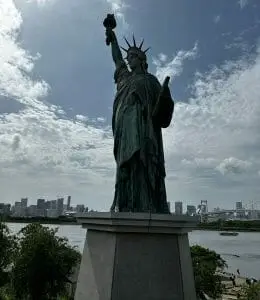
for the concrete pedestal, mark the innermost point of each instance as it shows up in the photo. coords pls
(136, 256)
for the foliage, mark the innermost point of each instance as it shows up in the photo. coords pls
(7, 251)
(43, 264)
(205, 264)
(248, 225)
(6, 293)
(43, 220)
(250, 292)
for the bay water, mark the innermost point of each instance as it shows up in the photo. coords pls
(240, 252)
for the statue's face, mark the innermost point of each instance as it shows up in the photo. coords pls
(133, 60)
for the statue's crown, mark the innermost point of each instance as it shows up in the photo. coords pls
(137, 49)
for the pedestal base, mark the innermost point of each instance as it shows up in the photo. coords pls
(136, 257)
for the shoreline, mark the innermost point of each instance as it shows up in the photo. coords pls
(232, 291)
(236, 226)
(236, 229)
(47, 221)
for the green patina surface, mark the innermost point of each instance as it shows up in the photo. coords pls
(138, 145)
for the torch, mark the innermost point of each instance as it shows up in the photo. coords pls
(110, 24)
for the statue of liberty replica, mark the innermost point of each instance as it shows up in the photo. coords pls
(142, 107)
(143, 254)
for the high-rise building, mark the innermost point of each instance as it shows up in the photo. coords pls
(48, 204)
(17, 209)
(51, 213)
(24, 202)
(32, 210)
(178, 208)
(23, 209)
(68, 202)
(204, 206)
(80, 208)
(41, 208)
(40, 203)
(191, 210)
(53, 204)
(239, 205)
(60, 206)
(5, 209)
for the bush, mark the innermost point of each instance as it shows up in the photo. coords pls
(8, 246)
(43, 265)
(250, 292)
(205, 264)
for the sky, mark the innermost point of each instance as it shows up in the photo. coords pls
(57, 91)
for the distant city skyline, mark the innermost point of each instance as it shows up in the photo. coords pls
(57, 208)
(42, 208)
(181, 206)
(211, 206)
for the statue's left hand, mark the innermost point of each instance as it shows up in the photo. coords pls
(165, 88)
(166, 92)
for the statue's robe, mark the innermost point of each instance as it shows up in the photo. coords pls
(138, 146)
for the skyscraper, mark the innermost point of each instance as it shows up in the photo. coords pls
(204, 206)
(24, 202)
(68, 202)
(23, 209)
(60, 206)
(53, 204)
(40, 203)
(191, 210)
(41, 208)
(80, 208)
(239, 205)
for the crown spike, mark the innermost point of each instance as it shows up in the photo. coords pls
(124, 49)
(127, 42)
(146, 49)
(134, 41)
(141, 45)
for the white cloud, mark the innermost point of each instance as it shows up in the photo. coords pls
(41, 2)
(216, 19)
(15, 62)
(38, 144)
(162, 57)
(119, 7)
(81, 118)
(173, 67)
(220, 121)
(101, 119)
(233, 165)
(243, 3)
(200, 162)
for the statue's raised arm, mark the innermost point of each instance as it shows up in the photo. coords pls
(110, 24)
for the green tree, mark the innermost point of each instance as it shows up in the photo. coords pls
(205, 264)
(43, 265)
(250, 292)
(7, 250)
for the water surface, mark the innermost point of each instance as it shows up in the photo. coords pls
(240, 252)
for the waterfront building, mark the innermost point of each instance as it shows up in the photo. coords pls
(60, 206)
(178, 208)
(191, 210)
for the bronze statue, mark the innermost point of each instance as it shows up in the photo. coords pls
(141, 108)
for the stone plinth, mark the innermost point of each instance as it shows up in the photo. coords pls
(136, 256)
